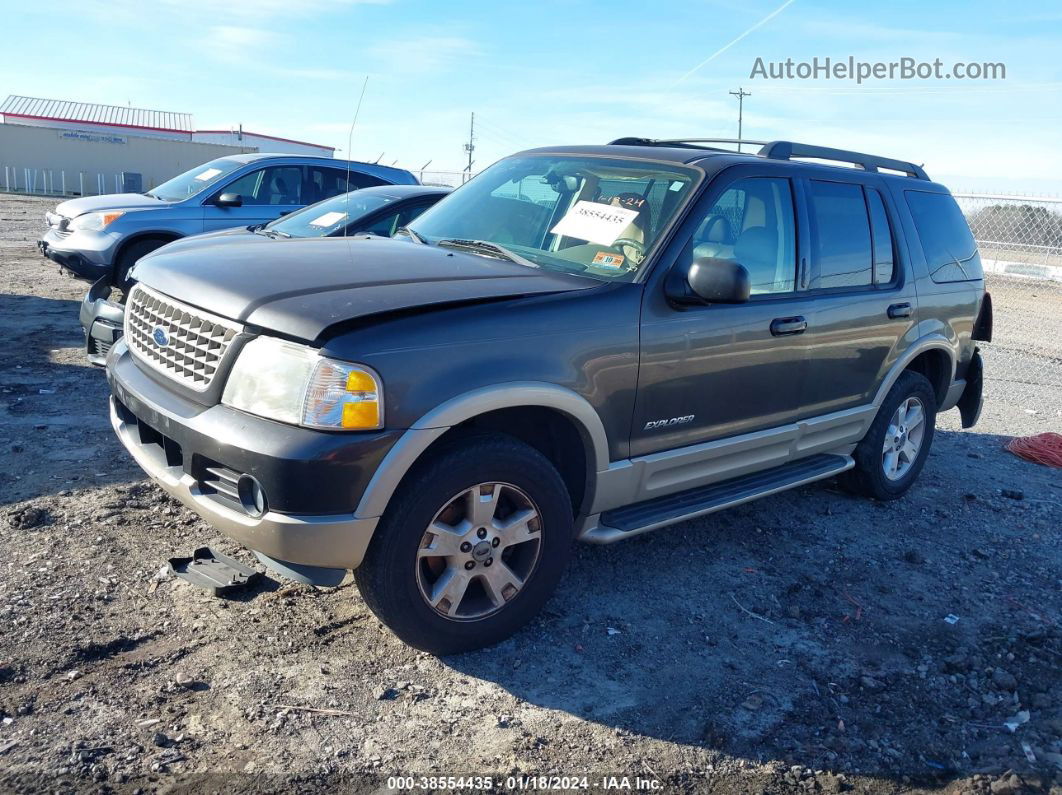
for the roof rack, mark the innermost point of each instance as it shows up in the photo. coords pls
(784, 150)
(689, 143)
(787, 150)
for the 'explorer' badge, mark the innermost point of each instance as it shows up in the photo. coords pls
(161, 337)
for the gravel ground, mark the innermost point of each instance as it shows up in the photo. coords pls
(805, 642)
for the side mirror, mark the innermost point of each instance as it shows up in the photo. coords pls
(229, 200)
(708, 280)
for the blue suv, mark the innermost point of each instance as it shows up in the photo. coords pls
(97, 236)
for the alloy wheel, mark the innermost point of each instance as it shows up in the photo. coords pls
(903, 438)
(479, 551)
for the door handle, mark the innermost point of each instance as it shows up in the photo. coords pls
(781, 326)
(899, 310)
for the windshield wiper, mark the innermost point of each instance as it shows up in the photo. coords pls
(405, 230)
(273, 233)
(488, 249)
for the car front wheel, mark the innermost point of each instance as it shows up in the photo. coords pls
(471, 547)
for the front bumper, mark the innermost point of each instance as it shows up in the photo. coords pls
(101, 320)
(312, 480)
(85, 255)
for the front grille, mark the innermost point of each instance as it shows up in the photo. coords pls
(185, 343)
(100, 347)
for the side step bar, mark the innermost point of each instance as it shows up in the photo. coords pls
(669, 509)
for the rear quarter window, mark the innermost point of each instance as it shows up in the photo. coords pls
(949, 247)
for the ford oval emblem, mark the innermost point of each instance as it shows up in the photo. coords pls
(161, 337)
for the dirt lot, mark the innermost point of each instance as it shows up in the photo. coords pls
(806, 642)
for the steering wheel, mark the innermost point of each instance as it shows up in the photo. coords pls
(637, 245)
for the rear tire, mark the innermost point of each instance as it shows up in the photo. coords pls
(892, 454)
(128, 258)
(426, 573)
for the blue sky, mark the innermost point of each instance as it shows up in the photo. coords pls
(581, 71)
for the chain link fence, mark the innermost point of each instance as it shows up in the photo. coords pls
(1020, 240)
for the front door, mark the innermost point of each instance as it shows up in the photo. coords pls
(265, 194)
(714, 371)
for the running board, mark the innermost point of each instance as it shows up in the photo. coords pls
(661, 511)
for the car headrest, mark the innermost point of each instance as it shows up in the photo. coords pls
(716, 229)
(756, 245)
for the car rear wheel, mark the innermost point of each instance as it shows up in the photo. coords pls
(471, 547)
(891, 455)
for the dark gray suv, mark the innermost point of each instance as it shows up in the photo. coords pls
(583, 342)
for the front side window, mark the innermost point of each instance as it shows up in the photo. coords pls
(196, 180)
(276, 185)
(582, 214)
(752, 223)
(841, 254)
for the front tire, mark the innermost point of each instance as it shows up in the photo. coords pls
(128, 258)
(472, 545)
(892, 454)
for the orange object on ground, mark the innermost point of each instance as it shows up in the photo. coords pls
(1044, 448)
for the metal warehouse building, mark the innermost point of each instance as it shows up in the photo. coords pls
(62, 147)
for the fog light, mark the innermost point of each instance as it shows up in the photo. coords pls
(252, 497)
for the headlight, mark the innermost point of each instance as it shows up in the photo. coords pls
(292, 383)
(94, 222)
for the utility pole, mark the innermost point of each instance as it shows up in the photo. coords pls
(740, 94)
(470, 146)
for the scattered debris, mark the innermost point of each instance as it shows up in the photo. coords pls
(1019, 719)
(951, 618)
(213, 571)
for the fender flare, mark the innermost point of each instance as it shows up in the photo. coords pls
(921, 345)
(422, 433)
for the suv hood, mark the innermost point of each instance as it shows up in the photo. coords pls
(300, 287)
(109, 201)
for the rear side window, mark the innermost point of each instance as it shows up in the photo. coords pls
(841, 250)
(328, 182)
(947, 243)
(884, 251)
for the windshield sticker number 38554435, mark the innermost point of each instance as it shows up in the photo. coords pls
(596, 223)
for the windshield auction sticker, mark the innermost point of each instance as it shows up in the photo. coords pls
(328, 219)
(595, 223)
(210, 173)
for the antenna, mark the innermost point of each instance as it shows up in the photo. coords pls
(350, 137)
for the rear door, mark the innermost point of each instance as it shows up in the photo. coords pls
(864, 304)
(713, 371)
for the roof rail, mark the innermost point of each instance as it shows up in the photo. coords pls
(691, 143)
(787, 150)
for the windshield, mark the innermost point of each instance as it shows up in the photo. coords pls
(197, 179)
(595, 215)
(330, 215)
